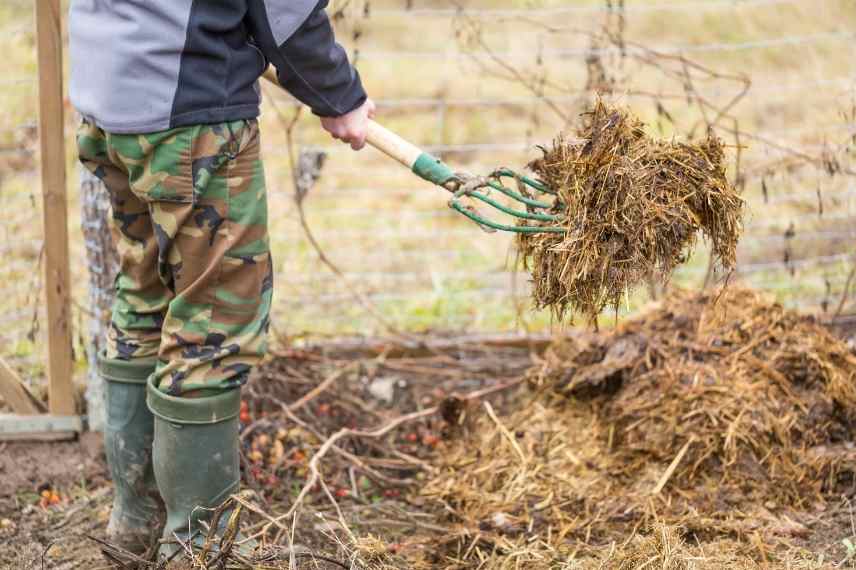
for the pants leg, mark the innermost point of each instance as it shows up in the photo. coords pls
(204, 190)
(141, 298)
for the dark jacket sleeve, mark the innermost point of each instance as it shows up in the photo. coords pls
(310, 64)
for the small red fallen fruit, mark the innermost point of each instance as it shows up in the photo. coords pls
(430, 440)
(394, 548)
(342, 493)
(245, 417)
(412, 437)
(48, 498)
(391, 493)
(323, 409)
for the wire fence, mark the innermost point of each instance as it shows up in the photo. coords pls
(21, 307)
(421, 261)
(563, 53)
(392, 238)
(729, 5)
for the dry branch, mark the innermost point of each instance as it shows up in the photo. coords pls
(314, 463)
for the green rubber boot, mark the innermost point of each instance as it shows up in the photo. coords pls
(196, 464)
(138, 511)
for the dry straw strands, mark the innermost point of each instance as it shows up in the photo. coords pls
(632, 207)
(717, 420)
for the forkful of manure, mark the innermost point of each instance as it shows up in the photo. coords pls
(602, 213)
(631, 208)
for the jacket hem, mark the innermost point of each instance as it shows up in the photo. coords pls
(215, 115)
(198, 117)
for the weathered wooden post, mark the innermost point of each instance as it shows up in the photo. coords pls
(55, 214)
(61, 422)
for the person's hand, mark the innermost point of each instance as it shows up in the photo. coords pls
(351, 128)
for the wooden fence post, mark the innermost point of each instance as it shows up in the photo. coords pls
(55, 214)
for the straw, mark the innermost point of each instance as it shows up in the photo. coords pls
(632, 207)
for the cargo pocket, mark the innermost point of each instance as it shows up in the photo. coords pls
(160, 165)
(91, 146)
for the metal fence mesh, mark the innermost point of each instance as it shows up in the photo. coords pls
(481, 87)
(20, 232)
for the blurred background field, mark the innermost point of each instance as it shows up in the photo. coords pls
(482, 84)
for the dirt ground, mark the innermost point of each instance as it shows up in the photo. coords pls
(376, 482)
(34, 536)
(56, 538)
(382, 381)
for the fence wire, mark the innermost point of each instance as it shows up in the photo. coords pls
(562, 53)
(425, 268)
(394, 239)
(729, 5)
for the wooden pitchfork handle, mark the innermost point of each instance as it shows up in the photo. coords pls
(434, 170)
(402, 151)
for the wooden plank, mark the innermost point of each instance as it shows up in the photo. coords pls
(396, 348)
(39, 428)
(14, 392)
(41, 437)
(55, 216)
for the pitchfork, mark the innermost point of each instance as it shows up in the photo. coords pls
(460, 184)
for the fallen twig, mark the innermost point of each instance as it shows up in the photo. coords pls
(330, 444)
(326, 383)
(504, 430)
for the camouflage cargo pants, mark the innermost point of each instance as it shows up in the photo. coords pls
(190, 223)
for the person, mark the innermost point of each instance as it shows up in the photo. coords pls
(169, 98)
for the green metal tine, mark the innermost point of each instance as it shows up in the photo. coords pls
(517, 196)
(494, 182)
(462, 185)
(487, 222)
(536, 185)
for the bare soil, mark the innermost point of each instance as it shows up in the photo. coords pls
(380, 381)
(33, 536)
(378, 496)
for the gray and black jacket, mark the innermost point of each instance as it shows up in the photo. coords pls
(140, 66)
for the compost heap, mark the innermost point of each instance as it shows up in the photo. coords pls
(632, 207)
(720, 416)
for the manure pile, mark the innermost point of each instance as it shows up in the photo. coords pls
(632, 206)
(713, 431)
